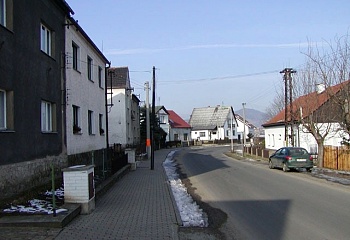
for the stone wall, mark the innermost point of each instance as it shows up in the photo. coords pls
(20, 177)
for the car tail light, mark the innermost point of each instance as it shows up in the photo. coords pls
(311, 159)
(288, 158)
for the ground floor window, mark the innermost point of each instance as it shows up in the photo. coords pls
(2, 109)
(47, 116)
(185, 136)
(91, 122)
(76, 119)
(202, 134)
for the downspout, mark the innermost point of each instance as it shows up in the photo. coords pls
(106, 103)
(63, 93)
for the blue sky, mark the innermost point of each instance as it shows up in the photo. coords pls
(208, 52)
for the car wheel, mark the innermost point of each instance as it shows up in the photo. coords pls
(285, 168)
(271, 165)
(308, 169)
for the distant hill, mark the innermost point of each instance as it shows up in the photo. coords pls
(254, 116)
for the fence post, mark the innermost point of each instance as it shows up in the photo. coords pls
(337, 152)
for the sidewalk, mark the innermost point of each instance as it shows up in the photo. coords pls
(139, 206)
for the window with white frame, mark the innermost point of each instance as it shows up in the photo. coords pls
(75, 49)
(2, 109)
(91, 125)
(45, 39)
(46, 116)
(162, 119)
(3, 12)
(100, 77)
(202, 134)
(89, 68)
(76, 119)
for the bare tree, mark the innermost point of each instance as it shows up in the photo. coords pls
(329, 67)
(277, 105)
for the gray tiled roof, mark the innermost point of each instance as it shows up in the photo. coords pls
(209, 117)
(118, 77)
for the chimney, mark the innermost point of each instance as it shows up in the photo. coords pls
(320, 88)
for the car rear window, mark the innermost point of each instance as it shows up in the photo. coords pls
(297, 152)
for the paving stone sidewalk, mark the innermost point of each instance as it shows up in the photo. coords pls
(138, 206)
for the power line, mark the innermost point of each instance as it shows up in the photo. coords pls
(217, 78)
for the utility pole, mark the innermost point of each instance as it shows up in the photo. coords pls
(244, 138)
(148, 129)
(231, 110)
(153, 119)
(288, 105)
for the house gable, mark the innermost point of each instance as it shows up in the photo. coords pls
(316, 103)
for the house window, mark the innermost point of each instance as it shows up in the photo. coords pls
(89, 68)
(176, 137)
(45, 36)
(202, 134)
(76, 119)
(100, 77)
(185, 136)
(162, 119)
(3, 12)
(2, 109)
(100, 124)
(75, 48)
(91, 122)
(47, 113)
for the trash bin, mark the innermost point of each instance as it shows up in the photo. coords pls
(79, 187)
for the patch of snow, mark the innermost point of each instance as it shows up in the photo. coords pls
(191, 214)
(38, 206)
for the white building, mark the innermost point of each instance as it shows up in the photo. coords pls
(163, 116)
(85, 92)
(316, 106)
(180, 130)
(244, 127)
(123, 108)
(213, 123)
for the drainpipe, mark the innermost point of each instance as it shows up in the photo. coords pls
(106, 103)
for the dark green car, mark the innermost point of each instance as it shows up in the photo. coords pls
(291, 158)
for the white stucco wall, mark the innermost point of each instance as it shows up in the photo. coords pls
(241, 127)
(195, 135)
(117, 130)
(122, 128)
(181, 132)
(84, 93)
(274, 137)
(164, 123)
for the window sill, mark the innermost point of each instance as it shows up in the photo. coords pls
(52, 132)
(77, 133)
(48, 55)
(7, 131)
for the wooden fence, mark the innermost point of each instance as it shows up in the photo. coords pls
(337, 158)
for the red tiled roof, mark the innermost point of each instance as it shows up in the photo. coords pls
(176, 121)
(308, 103)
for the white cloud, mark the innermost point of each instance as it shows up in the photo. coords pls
(209, 46)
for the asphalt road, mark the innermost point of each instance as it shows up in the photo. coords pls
(262, 203)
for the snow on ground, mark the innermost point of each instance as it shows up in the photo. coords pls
(38, 206)
(191, 214)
